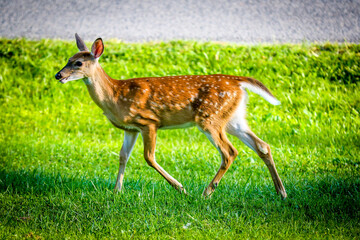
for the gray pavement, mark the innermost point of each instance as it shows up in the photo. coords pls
(250, 21)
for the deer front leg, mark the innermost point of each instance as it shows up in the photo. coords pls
(127, 147)
(149, 138)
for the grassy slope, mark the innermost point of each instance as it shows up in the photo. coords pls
(58, 153)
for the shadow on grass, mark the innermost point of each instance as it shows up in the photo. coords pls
(323, 191)
(68, 200)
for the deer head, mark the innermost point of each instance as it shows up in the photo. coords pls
(81, 65)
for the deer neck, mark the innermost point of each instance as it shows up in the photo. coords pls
(100, 86)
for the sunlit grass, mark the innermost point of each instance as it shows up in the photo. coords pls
(58, 153)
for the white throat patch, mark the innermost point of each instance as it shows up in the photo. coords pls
(87, 81)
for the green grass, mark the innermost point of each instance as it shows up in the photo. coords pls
(58, 153)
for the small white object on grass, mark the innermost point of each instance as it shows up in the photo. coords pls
(187, 226)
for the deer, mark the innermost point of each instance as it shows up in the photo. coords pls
(215, 104)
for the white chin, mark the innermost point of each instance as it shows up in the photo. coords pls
(68, 79)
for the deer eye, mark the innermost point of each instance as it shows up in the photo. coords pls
(78, 63)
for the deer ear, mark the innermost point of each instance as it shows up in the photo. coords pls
(80, 43)
(97, 48)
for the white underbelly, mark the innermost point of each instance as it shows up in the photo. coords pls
(185, 125)
(111, 117)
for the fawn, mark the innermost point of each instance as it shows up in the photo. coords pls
(215, 104)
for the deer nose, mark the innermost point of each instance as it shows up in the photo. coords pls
(58, 76)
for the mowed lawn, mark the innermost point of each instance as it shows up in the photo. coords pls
(59, 153)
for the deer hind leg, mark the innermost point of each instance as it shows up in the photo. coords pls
(127, 147)
(228, 153)
(149, 138)
(239, 128)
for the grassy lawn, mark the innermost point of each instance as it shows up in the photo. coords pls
(59, 154)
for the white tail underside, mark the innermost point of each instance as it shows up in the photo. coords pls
(261, 92)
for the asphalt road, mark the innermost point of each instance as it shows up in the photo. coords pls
(249, 21)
